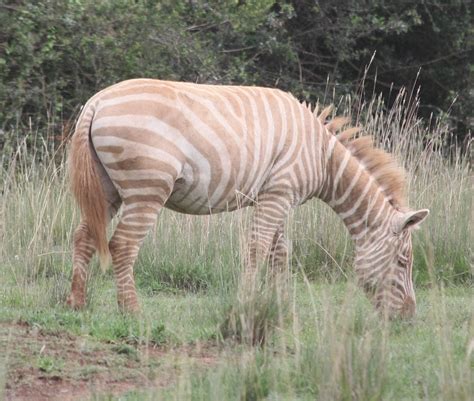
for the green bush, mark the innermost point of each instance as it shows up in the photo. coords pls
(55, 54)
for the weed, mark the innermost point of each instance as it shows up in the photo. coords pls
(49, 364)
(125, 349)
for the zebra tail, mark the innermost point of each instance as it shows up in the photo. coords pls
(86, 184)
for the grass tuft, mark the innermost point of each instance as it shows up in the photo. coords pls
(252, 319)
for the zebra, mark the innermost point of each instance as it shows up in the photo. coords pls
(144, 144)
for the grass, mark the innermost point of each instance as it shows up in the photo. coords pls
(333, 346)
(322, 340)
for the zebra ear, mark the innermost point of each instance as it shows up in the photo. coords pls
(411, 219)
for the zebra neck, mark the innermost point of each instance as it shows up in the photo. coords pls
(354, 194)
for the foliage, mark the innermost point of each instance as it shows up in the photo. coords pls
(414, 43)
(58, 53)
(54, 54)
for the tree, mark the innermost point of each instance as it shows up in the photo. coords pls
(54, 54)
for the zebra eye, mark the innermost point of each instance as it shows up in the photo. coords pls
(400, 263)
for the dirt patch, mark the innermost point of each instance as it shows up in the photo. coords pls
(44, 366)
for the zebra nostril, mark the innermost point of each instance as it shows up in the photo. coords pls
(409, 307)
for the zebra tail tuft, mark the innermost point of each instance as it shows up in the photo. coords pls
(86, 185)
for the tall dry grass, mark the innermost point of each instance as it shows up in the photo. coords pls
(320, 343)
(37, 216)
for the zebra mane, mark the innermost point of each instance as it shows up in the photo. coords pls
(380, 164)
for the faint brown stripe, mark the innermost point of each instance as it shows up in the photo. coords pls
(109, 149)
(156, 183)
(141, 87)
(139, 209)
(141, 163)
(143, 198)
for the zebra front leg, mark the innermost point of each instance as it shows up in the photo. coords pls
(266, 237)
(279, 252)
(134, 224)
(83, 251)
(278, 277)
(253, 312)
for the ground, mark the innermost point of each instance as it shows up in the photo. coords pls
(48, 366)
(331, 345)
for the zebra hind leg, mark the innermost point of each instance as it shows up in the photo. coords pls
(134, 224)
(84, 249)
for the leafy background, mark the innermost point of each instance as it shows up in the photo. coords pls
(54, 54)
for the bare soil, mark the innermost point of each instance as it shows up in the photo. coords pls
(50, 366)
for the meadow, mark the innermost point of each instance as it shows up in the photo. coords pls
(321, 340)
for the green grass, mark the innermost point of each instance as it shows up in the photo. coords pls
(322, 340)
(332, 346)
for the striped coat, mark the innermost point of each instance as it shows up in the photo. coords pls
(200, 149)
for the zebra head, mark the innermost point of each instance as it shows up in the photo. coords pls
(384, 266)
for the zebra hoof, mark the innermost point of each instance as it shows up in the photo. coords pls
(75, 302)
(129, 308)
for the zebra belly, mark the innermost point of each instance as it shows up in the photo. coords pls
(189, 199)
(205, 192)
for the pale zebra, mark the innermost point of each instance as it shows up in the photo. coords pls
(146, 144)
